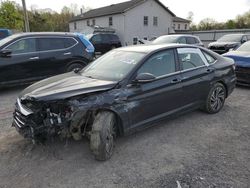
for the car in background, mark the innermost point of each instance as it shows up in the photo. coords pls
(180, 39)
(104, 42)
(125, 90)
(5, 33)
(28, 57)
(228, 42)
(241, 57)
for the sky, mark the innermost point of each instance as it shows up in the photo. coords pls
(220, 10)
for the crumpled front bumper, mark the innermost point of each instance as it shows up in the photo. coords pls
(21, 120)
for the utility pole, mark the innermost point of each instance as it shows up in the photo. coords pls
(26, 20)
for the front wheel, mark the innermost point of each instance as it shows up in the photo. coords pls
(215, 99)
(102, 135)
(74, 66)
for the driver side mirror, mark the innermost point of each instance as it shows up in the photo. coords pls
(5, 53)
(144, 78)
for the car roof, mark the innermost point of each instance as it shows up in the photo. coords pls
(181, 35)
(30, 34)
(152, 48)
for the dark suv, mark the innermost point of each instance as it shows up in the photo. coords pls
(29, 57)
(228, 42)
(104, 42)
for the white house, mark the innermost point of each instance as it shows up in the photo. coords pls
(180, 24)
(133, 19)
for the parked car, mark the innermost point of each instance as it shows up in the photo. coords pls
(29, 57)
(4, 33)
(181, 39)
(228, 42)
(104, 42)
(125, 90)
(241, 56)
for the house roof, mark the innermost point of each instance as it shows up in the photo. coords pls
(178, 19)
(115, 9)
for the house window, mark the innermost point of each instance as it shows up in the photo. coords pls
(174, 26)
(93, 22)
(88, 24)
(185, 26)
(145, 20)
(135, 40)
(75, 25)
(110, 21)
(155, 21)
(145, 38)
(179, 26)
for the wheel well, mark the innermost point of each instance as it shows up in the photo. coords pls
(223, 83)
(76, 62)
(119, 124)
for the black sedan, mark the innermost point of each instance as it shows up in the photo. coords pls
(125, 90)
(241, 56)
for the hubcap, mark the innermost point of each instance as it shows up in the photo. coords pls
(217, 98)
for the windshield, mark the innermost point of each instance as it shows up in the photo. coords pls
(244, 47)
(230, 38)
(114, 65)
(6, 40)
(165, 39)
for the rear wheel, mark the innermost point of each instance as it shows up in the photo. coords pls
(102, 135)
(215, 99)
(75, 66)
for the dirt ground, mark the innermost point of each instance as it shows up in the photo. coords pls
(194, 150)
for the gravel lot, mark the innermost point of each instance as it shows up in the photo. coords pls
(194, 150)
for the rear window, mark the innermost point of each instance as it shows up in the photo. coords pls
(190, 40)
(51, 44)
(210, 59)
(55, 43)
(69, 42)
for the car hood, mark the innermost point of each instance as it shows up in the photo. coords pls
(223, 44)
(64, 86)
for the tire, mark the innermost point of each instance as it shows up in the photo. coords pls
(75, 66)
(102, 135)
(215, 99)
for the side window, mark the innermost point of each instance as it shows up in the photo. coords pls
(196, 41)
(114, 38)
(210, 59)
(160, 64)
(46, 44)
(191, 58)
(182, 40)
(106, 38)
(190, 40)
(23, 46)
(69, 42)
(96, 39)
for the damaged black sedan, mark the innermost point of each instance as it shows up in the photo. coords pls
(125, 90)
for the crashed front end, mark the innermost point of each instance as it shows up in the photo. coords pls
(39, 120)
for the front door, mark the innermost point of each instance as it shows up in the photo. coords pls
(22, 63)
(159, 98)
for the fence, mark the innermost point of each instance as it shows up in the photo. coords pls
(212, 35)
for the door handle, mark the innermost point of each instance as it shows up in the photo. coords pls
(34, 58)
(176, 80)
(67, 53)
(209, 70)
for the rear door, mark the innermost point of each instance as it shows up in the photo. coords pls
(55, 53)
(156, 99)
(22, 64)
(196, 75)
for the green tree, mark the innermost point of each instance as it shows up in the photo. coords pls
(10, 16)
